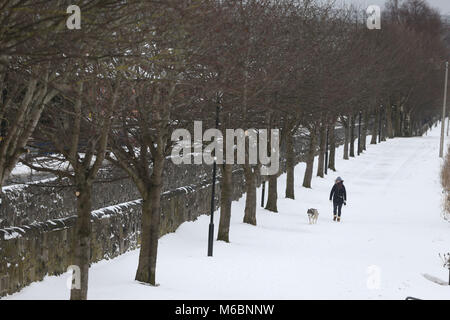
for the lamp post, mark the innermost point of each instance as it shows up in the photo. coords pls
(441, 146)
(448, 124)
(213, 195)
(263, 192)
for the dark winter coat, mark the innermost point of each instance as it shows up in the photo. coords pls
(338, 193)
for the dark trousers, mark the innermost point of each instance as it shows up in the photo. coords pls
(337, 208)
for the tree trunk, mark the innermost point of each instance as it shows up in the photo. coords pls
(383, 126)
(310, 159)
(250, 200)
(397, 123)
(4, 175)
(332, 160)
(143, 270)
(407, 125)
(272, 194)
(321, 158)
(364, 129)
(346, 126)
(373, 140)
(155, 198)
(402, 124)
(82, 240)
(352, 135)
(151, 216)
(389, 127)
(225, 203)
(290, 164)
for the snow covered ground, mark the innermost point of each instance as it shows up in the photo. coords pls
(390, 235)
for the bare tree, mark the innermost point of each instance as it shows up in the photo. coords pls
(77, 127)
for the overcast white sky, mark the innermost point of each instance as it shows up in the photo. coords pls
(442, 5)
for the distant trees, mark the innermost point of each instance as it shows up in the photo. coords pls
(412, 79)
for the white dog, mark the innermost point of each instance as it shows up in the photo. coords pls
(313, 215)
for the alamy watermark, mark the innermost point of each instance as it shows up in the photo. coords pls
(74, 20)
(187, 152)
(373, 22)
(74, 277)
(373, 17)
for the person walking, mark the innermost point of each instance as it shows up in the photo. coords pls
(338, 195)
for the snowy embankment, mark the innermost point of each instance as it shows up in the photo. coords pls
(390, 235)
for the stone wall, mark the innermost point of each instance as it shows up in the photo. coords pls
(29, 253)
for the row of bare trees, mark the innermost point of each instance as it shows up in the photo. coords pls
(115, 91)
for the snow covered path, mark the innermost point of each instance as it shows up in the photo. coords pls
(391, 233)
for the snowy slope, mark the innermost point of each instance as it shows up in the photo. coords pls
(391, 234)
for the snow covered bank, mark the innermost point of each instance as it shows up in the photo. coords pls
(391, 233)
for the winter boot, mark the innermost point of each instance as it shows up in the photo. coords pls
(335, 217)
(338, 219)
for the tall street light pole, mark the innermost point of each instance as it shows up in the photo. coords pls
(441, 147)
(213, 194)
(448, 124)
(263, 192)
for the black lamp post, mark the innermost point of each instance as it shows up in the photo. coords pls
(263, 192)
(213, 195)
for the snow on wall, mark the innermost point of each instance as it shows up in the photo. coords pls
(24, 204)
(29, 253)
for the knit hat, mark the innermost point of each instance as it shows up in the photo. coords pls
(339, 179)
